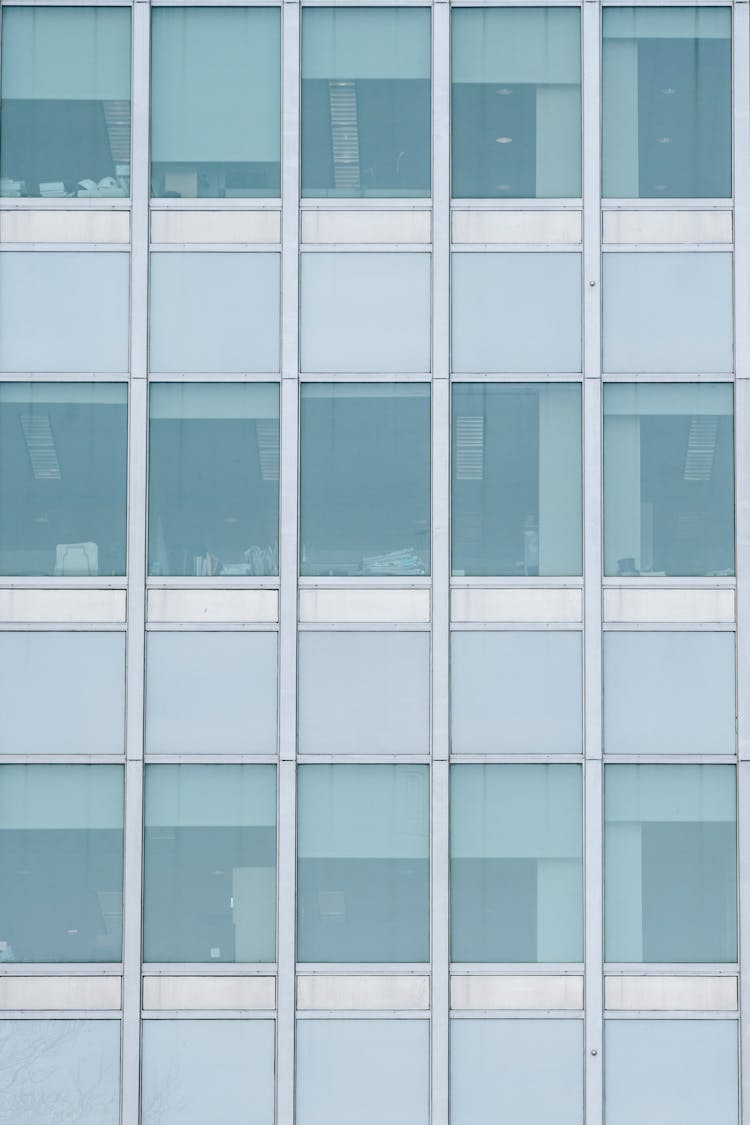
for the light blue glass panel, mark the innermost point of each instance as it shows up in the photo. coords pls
(667, 102)
(669, 693)
(516, 479)
(210, 863)
(364, 693)
(670, 885)
(64, 311)
(668, 479)
(667, 313)
(365, 479)
(366, 102)
(516, 313)
(201, 1071)
(516, 863)
(65, 102)
(215, 102)
(214, 479)
(62, 693)
(61, 843)
(363, 863)
(214, 312)
(516, 102)
(516, 692)
(368, 1071)
(60, 1072)
(528, 1071)
(674, 1072)
(211, 693)
(365, 313)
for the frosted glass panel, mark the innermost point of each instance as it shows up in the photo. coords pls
(364, 693)
(215, 102)
(516, 692)
(362, 863)
(516, 313)
(62, 693)
(56, 1072)
(516, 863)
(532, 57)
(366, 102)
(528, 1071)
(61, 863)
(667, 102)
(674, 1072)
(65, 102)
(214, 312)
(211, 693)
(516, 479)
(200, 1071)
(669, 693)
(670, 863)
(210, 863)
(667, 313)
(64, 312)
(368, 1071)
(668, 479)
(365, 313)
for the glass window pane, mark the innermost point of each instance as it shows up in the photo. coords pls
(62, 693)
(61, 863)
(63, 470)
(363, 863)
(215, 102)
(365, 479)
(214, 479)
(526, 142)
(668, 479)
(669, 693)
(516, 313)
(676, 1072)
(516, 479)
(497, 681)
(368, 1071)
(65, 102)
(214, 312)
(365, 313)
(518, 1070)
(667, 103)
(210, 863)
(211, 693)
(60, 1071)
(516, 863)
(366, 102)
(364, 693)
(670, 863)
(667, 313)
(200, 1071)
(64, 312)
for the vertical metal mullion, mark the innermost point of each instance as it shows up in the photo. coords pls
(136, 595)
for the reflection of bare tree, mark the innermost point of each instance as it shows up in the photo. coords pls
(164, 1099)
(58, 1072)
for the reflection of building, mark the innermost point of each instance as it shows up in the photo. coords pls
(331, 791)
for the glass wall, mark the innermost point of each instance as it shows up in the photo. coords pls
(63, 479)
(365, 102)
(668, 479)
(516, 105)
(667, 102)
(210, 863)
(215, 102)
(65, 102)
(365, 479)
(214, 479)
(363, 863)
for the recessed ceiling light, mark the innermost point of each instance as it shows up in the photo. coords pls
(503, 140)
